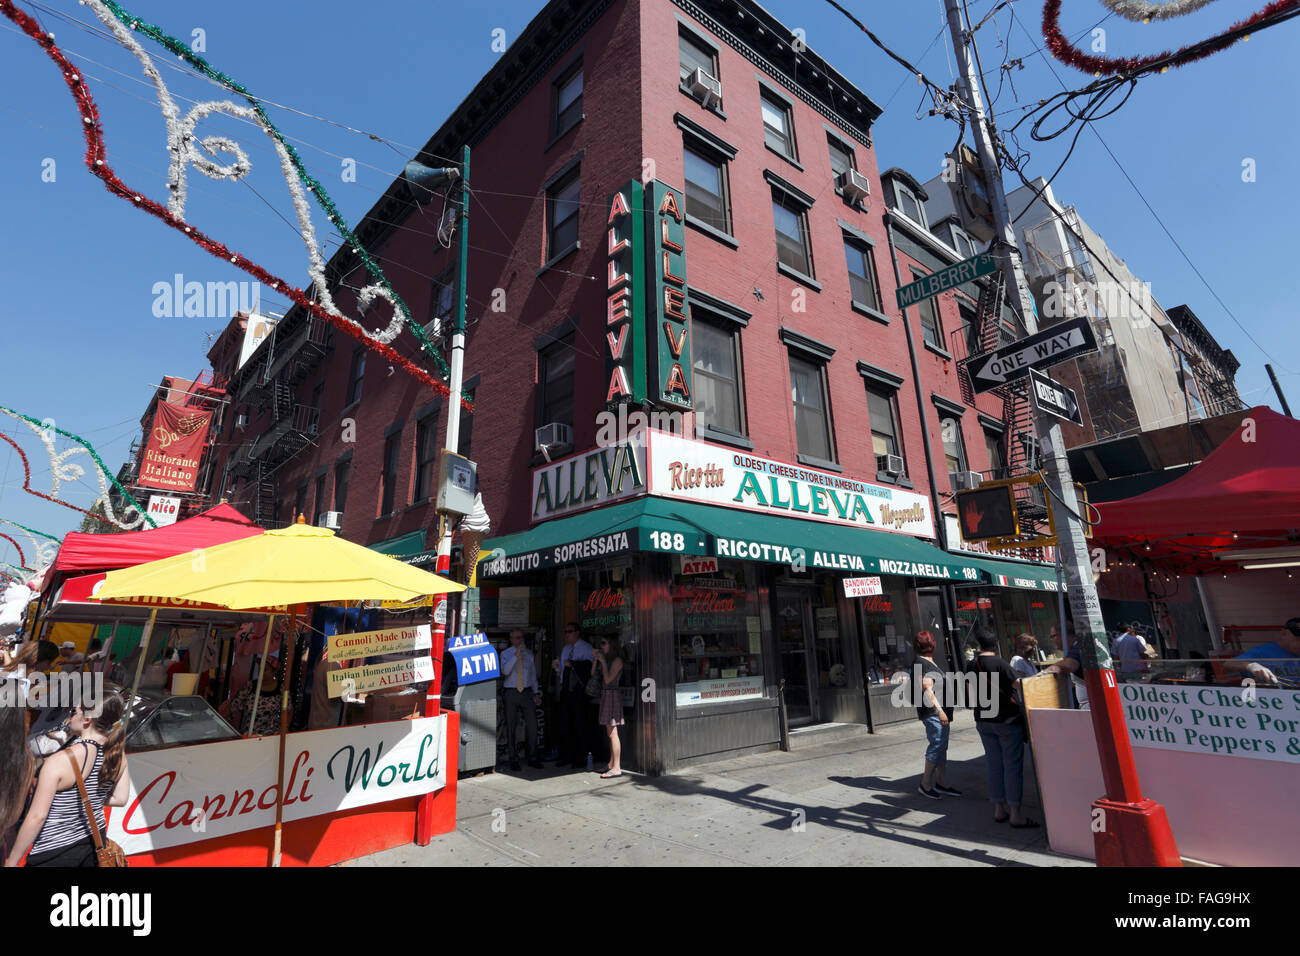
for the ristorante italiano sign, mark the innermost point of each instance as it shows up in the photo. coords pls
(709, 474)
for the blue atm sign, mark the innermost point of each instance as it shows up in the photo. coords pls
(476, 659)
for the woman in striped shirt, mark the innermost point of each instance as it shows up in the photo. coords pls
(56, 828)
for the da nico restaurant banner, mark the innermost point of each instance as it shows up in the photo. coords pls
(174, 448)
(188, 794)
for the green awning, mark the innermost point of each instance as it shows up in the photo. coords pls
(675, 527)
(403, 546)
(1014, 574)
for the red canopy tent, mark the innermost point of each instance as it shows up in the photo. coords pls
(1241, 504)
(98, 552)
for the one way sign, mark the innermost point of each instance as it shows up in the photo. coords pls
(1061, 342)
(1054, 398)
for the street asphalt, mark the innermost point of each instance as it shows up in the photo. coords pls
(850, 802)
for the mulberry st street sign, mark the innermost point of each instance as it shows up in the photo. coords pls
(1057, 343)
(944, 279)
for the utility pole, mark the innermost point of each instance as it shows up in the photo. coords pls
(1278, 388)
(433, 697)
(1134, 830)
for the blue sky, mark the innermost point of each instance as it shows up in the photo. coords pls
(82, 343)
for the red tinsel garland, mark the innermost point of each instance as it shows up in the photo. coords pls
(21, 557)
(27, 483)
(97, 164)
(1066, 52)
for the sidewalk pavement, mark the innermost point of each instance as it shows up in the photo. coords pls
(853, 802)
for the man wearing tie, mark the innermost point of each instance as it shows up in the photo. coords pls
(519, 676)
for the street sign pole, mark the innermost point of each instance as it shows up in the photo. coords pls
(1129, 830)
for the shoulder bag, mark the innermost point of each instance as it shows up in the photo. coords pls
(107, 853)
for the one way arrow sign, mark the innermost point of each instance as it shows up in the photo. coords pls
(1054, 398)
(1063, 341)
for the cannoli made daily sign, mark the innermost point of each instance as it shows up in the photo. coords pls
(393, 640)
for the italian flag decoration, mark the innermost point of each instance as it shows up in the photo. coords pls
(1002, 580)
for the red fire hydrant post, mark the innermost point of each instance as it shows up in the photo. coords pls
(1128, 829)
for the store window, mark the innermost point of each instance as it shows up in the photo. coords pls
(889, 626)
(718, 635)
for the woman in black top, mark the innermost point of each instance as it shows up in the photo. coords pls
(935, 712)
(999, 720)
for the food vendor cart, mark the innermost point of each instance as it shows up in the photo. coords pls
(307, 798)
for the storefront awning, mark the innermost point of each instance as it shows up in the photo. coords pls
(1014, 574)
(403, 546)
(675, 527)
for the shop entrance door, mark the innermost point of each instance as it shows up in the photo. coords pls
(798, 667)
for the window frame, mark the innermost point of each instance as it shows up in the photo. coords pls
(901, 190)
(702, 47)
(719, 160)
(797, 354)
(560, 124)
(702, 316)
(834, 143)
(889, 393)
(792, 205)
(388, 474)
(779, 103)
(996, 440)
(426, 458)
(959, 232)
(356, 375)
(343, 468)
(868, 253)
(544, 358)
(320, 497)
(444, 281)
(554, 191)
(932, 304)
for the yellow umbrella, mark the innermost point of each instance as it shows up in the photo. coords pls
(296, 565)
(299, 564)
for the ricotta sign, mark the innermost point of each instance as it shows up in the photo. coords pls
(709, 474)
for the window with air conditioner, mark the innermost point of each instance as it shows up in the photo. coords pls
(886, 440)
(695, 57)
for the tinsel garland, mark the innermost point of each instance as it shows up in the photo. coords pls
(44, 552)
(1067, 53)
(1141, 10)
(17, 547)
(61, 470)
(27, 483)
(97, 164)
(292, 165)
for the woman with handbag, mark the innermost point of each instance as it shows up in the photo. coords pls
(609, 668)
(64, 826)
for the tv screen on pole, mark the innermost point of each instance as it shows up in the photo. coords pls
(985, 513)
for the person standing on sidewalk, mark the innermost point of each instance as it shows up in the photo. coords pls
(519, 677)
(935, 712)
(999, 720)
(609, 665)
(574, 670)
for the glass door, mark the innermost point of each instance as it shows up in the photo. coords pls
(793, 627)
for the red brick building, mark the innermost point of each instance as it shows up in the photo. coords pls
(742, 259)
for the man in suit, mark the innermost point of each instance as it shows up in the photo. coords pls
(573, 670)
(519, 678)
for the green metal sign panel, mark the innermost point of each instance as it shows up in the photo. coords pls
(949, 278)
(625, 333)
(668, 352)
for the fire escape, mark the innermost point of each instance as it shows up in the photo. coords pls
(271, 379)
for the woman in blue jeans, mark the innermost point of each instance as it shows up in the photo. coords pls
(998, 718)
(935, 712)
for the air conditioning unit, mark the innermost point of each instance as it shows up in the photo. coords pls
(855, 186)
(964, 480)
(330, 519)
(552, 437)
(890, 464)
(706, 87)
